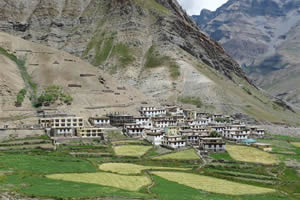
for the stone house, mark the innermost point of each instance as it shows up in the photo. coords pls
(212, 144)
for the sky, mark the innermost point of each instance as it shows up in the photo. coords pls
(193, 7)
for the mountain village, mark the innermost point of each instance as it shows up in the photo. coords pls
(171, 127)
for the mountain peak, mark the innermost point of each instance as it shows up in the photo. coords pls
(260, 35)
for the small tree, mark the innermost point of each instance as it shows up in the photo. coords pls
(21, 97)
(214, 134)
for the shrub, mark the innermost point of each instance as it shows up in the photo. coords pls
(196, 101)
(214, 134)
(153, 60)
(51, 95)
(21, 97)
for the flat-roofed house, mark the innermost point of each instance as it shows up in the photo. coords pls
(133, 130)
(62, 132)
(175, 141)
(263, 146)
(73, 122)
(190, 114)
(62, 126)
(218, 129)
(99, 121)
(200, 122)
(235, 135)
(163, 123)
(119, 119)
(60, 122)
(156, 138)
(202, 114)
(258, 133)
(152, 111)
(46, 122)
(172, 130)
(192, 137)
(174, 110)
(92, 132)
(145, 122)
(212, 144)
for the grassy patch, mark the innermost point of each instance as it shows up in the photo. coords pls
(154, 60)
(44, 164)
(102, 44)
(115, 135)
(123, 53)
(21, 96)
(43, 187)
(153, 6)
(221, 156)
(174, 70)
(296, 144)
(53, 94)
(250, 154)
(214, 185)
(130, 183)
(126, 168)
(131, 150)
(30, 84)
(196, 101)
(102, 50)
(163, 187)
(182, 155)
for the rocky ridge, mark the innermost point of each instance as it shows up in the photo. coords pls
(262, 37)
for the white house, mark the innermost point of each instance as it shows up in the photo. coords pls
(174, 142)
(133, 130)
(99, 121)
(156, 138)
(152, 112)
(201, 122)
(236, 135)
(163, 123)
(144, 122)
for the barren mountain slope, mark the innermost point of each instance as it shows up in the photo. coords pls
(149, 44)
(93, 91)
(262, 36)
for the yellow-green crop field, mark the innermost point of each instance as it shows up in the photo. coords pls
(250, 154)
(211, 184)
(131, 183)
(131, 150)
(127, 168)
(189, 154)
(296, 144)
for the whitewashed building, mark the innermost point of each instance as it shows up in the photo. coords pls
(163, 123)
(133, 130)
(235, 135)
(144, 122)
(153, 112)
(156, 138)
(99, 121)
(174, 142)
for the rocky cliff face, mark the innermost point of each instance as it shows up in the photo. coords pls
(152, 45)
(84, 27)
(262, 36)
